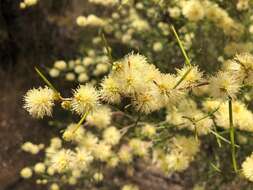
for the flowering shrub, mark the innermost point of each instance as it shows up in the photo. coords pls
(137, 111)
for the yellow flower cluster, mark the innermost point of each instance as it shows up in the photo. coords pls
(186, 115)
(181, 152)
(90, 20)
(27, 3)
(145, 89)
(107, 3)
(149, 91)
(85, 69)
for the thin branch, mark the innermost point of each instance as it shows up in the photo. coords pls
(107, 47)
(187, 60)
(232, 134)
(222, 138)
(45, 80)
(80, 122)
(182, 78)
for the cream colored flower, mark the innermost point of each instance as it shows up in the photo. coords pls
(61, 160)
(224, 84)
(193, 10)
(247, 168)
(101, 117)
(111, 135)
(39, 102)
(85, 99)
(26, 173)
(39, 168)
(61, 65)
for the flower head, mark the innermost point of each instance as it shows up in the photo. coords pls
(110, 91)
(39, 102)
(193, 10)
(61, 160)
(71, 135)
(26, 173)
(224, 84)
(85, 99)
(81, 159)
(111, 135)
(100, 118)
(247, 168)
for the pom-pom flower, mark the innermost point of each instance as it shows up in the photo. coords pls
(85, 99)
(224, 84)
(192, 77)
(146, 102)
(39, 102)
(26, 173)
(193, 10)
(101, 117)
(148, 130)
(110, 91)
(61, 160)
(167, 94)
(111, 135)
(81, 159)
(130, 187)
(125, 154)
(102, 151)
(70, 134)
(247, 168)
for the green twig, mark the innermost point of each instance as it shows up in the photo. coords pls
(187, 60)
(182, 78)
(209, 114)
(222, 138)
(80, 122)
(107, 47)
(232, 134)
(216, 168)
(45, 80)
(215, 129)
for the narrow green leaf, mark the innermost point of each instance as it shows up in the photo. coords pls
(232, 134)
(187, 60)
(45, 79)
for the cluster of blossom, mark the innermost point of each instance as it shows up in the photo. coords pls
(27, 3)
(146, 89)
(133, 19)
(130, 187)
(103, 142)
(89, 150)
(32, 148)
(237, 47)
(187, 115)
(90, 68)
(195, 10)
(150, 91)
(180, 152)
(243, 5)
(91, 20)
(243, 118)
(107, 3)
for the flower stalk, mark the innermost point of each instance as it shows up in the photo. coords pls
(232, 134)
(80, 122)
(187, 60)
(42, 76)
